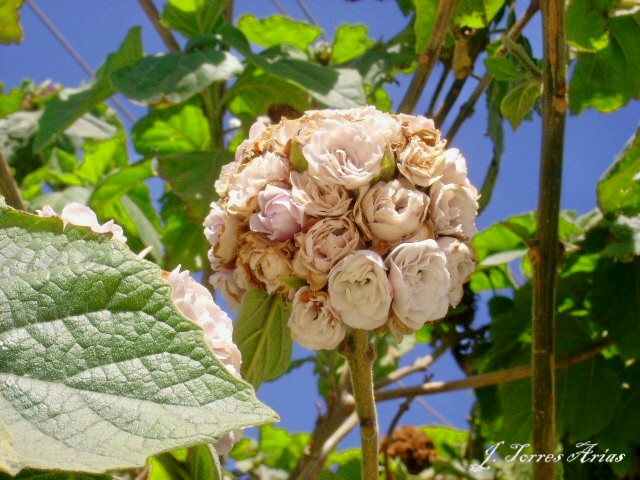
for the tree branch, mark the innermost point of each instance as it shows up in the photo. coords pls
(546, 252)
(434, 98)
(419, 365)
(154, 16)
(428, 57)
(486, 379)
(468, 107)
(449, 100)
(8, 187)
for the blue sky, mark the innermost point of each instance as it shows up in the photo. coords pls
(96, 28)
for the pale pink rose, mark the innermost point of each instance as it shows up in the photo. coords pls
(251, 178)
(224, 251)
(280, 217)
(360, 291)
(196, 303)
(214, 223)
(421, 127)
(227, 172)
(268, 261)
(232, 284)
(455, 168)
(344, 154)
(318, 199)
(461, 263)
(327, 242)
(453, 209)
(422, 164)
(81, 216)
(420, 282)
(313, 322)
(391, 211)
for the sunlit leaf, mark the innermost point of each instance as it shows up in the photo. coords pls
(277, 29)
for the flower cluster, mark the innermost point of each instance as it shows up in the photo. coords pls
(192, 299)
(360, 218)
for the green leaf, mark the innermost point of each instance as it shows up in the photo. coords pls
(425, 18)
(586, 23)
(28, 474)
(10, 29)
(276, 29)
(69, 105)
(101, 158)
(349, 41)
(202, 465)
(609, 78)
(255, 92)
(334, 87)
(174, 77)
(619, 188)
(281, 449)
(495, 131)
(619, 317)
(519, 102)
(98, 368)
(164, 467)
(262, 335)
(177, 129)
(183, 238)
(191, 176)
(121, 181)
(59, 200)
(192, 17)
(470, 14)
(505, 69)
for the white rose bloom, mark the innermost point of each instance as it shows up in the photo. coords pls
(232, 284)
(461, 262)
(391, 211)
(318, 199)
(455, 168)
(81, 216)
(420, 282)
(253, 177)
(421, 127)
(227, 172)
(453, 209)
(226, 248)
(326, 243)
(313, 322)
(344, 154)
(421, 163)
(360, 291)
(269, 262)
(214, 223)
(196, 303)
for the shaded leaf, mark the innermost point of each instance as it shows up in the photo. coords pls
(262, 335)
(183, 239)
(174, 77)
(95, 341)
(276, 29)
(191, 176)
(425, 18)
(504, 69)
(586, 24)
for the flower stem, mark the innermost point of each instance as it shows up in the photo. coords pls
(360, 354)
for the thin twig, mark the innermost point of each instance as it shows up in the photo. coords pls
(428, 57)
(434, 98)
(486, 379)
(310, 17)
(489, 183)
(165, 34)
(468, 107)
(342, 431)
(435, 413)
(8, 187)
(419, 365)
(280, 8)
(546, 251)
(449, 100)
(402, 409)
(75, 55)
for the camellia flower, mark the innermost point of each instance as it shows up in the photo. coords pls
(361, 218)
(360, 291)
(314, 323)
(81, 216)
